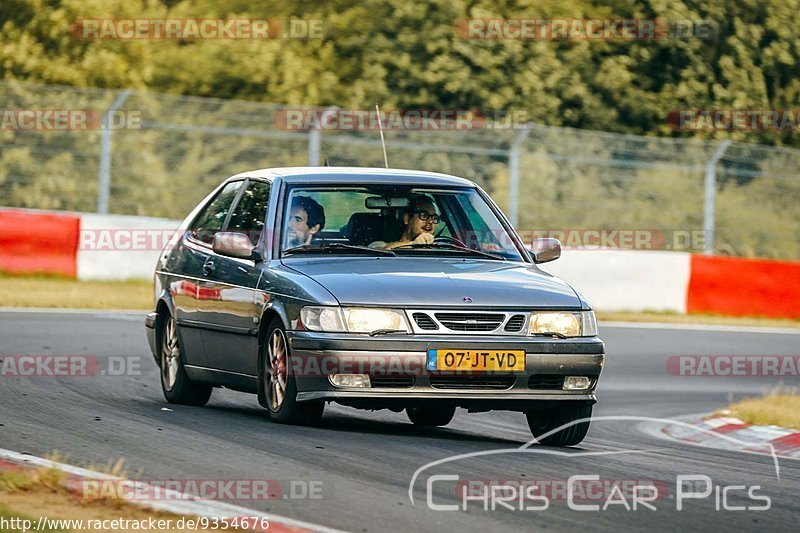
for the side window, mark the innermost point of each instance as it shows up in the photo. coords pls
(250, 212)
(211, 219)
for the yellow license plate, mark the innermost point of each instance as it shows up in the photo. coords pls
(476, 360)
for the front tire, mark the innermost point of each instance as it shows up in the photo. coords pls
(175, 384)
(278, 386)
(543, 421)
(430, 416)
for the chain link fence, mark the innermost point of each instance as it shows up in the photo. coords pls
(166, 152)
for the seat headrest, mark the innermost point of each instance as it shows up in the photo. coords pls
(365, 228)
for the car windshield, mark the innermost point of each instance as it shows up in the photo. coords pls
(406, 221)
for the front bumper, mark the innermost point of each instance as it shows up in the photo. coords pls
(150, 328)
(397, 368)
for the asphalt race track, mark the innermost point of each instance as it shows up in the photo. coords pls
(365, 460)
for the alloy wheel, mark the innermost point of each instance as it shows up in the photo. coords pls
(170, 355)
(276, 369)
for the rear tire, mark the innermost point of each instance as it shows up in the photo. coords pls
(543, 421)
(278, 386)
(430, 416)
(175, 384)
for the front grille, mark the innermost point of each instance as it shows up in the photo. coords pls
(515, 323)
(472, 381)
(470, 321)
(391, 382)
(546, 382)
(424, 321)
(459, 321)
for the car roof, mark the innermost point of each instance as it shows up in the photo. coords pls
(356, 175)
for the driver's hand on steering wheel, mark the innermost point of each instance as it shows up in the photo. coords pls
(423, 238)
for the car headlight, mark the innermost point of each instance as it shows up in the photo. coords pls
(352, 319)
(322, 319)
(365, 320)
(579, 324)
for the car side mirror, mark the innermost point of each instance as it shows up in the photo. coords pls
(234, 244)
(545, 250)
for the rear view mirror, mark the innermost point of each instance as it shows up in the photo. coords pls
(379, 202)
(545, 250)
(234, 244)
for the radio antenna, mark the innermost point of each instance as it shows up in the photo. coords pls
(383, 141)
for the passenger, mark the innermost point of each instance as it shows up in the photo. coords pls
(419, 219)
(306, 219)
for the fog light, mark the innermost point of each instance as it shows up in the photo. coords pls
(350, 380)
(577, 383)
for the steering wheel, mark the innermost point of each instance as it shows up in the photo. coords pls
(449, 240)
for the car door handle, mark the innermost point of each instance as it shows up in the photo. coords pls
(208, 268)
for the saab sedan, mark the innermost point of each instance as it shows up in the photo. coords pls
(375, 289)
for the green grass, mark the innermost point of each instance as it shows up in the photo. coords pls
(58, 292)
(29, 493)
(781, 407)
(15, 481)
(7, 514)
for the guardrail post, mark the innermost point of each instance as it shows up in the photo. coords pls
(315, 138)
(711, 191)
(104, 176)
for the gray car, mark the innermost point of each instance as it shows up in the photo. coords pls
(376, 289)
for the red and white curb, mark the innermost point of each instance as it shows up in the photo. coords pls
(174, 502)
(730, 433)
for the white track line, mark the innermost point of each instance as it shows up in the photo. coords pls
(700, 327)
(174, 503)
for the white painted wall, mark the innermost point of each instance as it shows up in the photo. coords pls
(626, 280)
(118, 247)
(613, 280)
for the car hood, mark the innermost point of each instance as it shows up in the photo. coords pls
(446, 282)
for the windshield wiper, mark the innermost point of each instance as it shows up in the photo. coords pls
(451, 246)
(307, 248)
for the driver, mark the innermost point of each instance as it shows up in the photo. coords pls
(306, 219)
(419, 220)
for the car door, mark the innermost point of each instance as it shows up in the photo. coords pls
(196, 252)
(228, 306)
